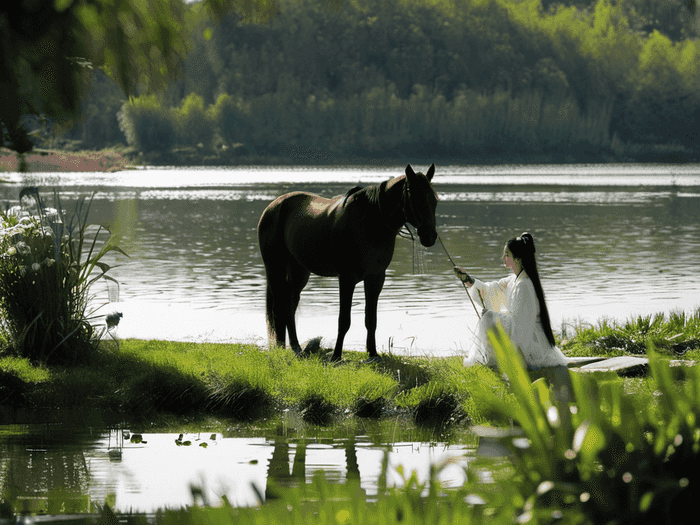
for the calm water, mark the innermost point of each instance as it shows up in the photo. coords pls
(613, 241)
(60, 469)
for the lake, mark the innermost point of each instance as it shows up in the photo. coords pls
(60, 468)
(613, 241)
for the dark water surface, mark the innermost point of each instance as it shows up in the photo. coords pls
(613, 241)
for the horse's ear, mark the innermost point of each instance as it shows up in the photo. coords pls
(409, 172)
(431, 172)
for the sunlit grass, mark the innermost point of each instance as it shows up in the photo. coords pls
(246, 382)
(148, 379)
(676, 334)
(24, 370)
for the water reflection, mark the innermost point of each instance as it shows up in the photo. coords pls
(54, 470)
(613, 242)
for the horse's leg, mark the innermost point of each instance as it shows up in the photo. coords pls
(373, 287)
(347, 289)
(297, 277)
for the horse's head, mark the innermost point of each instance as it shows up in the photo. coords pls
(420, 203)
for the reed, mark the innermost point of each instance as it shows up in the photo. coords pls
(48, 263)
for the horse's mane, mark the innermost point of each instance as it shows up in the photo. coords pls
(371, 193)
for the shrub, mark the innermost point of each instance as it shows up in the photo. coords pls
(194, 125)
(147, 125)
(231, 117)
(46, 269)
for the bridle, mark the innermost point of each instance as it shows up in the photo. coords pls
(405, 206)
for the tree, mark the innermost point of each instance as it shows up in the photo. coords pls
(48, 46)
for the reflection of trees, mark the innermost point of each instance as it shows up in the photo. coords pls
(42, 478)
(279, 476)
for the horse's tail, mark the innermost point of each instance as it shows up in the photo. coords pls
(275, 258)
(276, 335)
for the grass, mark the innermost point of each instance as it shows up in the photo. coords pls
(148, 379)
(675, 335)
(629, 447)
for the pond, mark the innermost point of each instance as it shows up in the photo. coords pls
(62, 468)
(613, 241)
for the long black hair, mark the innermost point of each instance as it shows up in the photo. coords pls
(523, 248)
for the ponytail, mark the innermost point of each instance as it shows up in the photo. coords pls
(523, 248)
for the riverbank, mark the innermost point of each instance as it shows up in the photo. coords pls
(117, 159)
(147, 381)
(42, 160)
(627, 437)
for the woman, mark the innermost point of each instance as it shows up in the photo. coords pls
(517, 304)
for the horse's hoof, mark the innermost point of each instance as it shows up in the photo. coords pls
(373, 359)
(335, 359)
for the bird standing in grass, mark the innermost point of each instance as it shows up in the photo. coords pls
(112, 320)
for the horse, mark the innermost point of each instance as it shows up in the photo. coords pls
(350, 236)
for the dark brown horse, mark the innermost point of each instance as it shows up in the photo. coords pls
(350, 237)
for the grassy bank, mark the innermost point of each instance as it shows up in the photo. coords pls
(118, 159)
(623, 447)
(44, 160)
(149, 380)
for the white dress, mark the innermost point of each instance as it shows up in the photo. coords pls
(513, 303)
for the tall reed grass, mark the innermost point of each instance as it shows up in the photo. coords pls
(48, 263)
(603, 456)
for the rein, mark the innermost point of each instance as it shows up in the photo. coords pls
(406, 198)
(409, 235)
(463, 283)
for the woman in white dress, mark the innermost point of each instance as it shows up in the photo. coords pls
(517, 304)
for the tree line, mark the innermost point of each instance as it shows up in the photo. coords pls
(421, 77)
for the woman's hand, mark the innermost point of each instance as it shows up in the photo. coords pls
(463, 276)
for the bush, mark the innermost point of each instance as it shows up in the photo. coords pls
(193, 124)
(231, 118)
(147, 125)
(46, 269)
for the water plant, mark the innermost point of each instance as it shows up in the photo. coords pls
(48, 263)
(605, 456)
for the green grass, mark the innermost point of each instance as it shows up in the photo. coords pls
(675, 335)
(149, 379)
(624, 447)
(145, 380)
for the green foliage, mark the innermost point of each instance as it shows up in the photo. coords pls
(601, 455)
(47, 267)
(315, 72)
(147, 125)
(322, 503)
(231, 117)
(674, 335)
(48, 47)
(193, 123)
